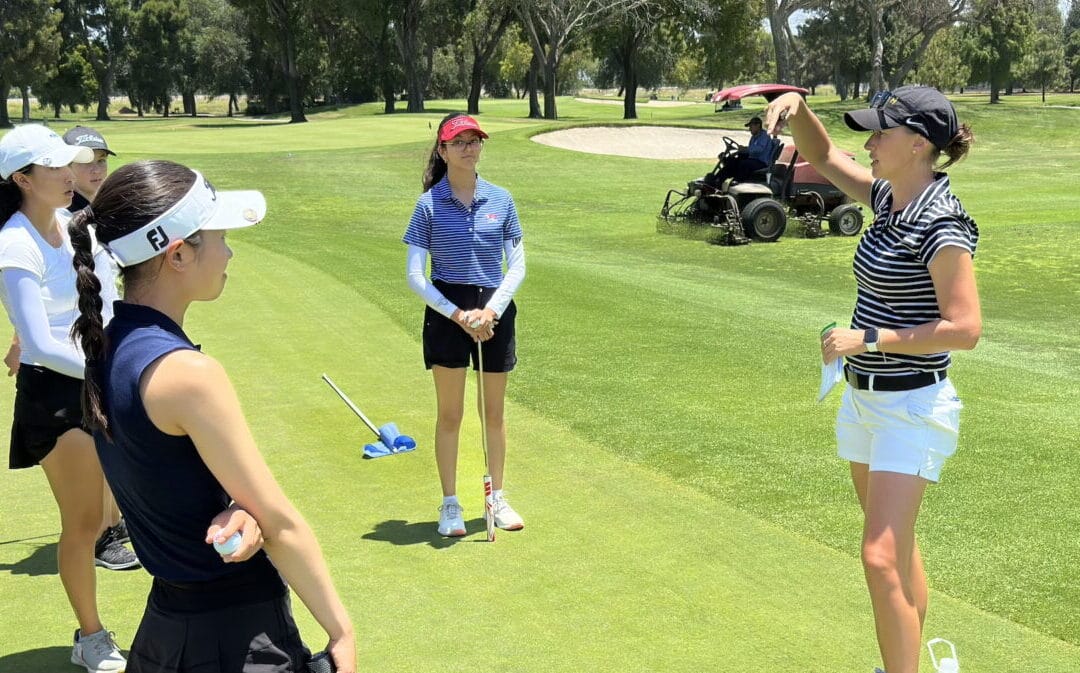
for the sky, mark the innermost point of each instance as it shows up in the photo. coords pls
(799, 17)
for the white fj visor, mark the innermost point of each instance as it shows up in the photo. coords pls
(203, 207)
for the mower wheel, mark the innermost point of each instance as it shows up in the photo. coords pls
(764, 219)
(846, 220)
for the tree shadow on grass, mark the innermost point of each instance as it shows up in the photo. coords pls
(240, 124)
(41, 561)
(401, 532)
(41, 660)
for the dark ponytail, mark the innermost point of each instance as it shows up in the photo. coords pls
(128, 199)
(89, 327)
(436, 167)
(10, 197)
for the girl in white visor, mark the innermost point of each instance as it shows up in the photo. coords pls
(173, 441)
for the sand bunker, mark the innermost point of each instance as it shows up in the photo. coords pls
(650, 103)
(646, 142)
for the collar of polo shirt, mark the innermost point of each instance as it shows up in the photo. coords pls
(203, 207)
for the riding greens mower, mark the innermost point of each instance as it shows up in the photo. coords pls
(759, 205)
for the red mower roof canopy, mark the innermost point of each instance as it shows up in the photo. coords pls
(769, 91)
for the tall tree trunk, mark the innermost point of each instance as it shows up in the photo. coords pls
(5, 121)
(628, 56)
(476, 82)
(232, 102)
(25, 104)
(190, 105)
(406, 32)
(551, 66)
(877, 18)
(533, 85)
(481, 55)
(292, 76)
(388, 94)
(56, 109)
(780, 44)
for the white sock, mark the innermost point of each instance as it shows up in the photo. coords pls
(497, 494)
(449, 500)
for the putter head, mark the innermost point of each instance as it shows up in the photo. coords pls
(489, 508)
(392, 437)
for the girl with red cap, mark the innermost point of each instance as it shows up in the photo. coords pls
(468, 226)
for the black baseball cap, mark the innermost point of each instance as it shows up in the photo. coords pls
(753, 120)
(923, 109)
(84, 136)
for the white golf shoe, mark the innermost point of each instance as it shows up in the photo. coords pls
(451, 523)
(505, 516)
(97, 653)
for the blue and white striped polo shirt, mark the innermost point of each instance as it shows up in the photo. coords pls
(465, 242)
(891, 268)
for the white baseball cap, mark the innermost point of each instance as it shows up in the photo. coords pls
(203, 207)
(36, 144)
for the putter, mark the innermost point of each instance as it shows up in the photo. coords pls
(388, 434)
(489, 496)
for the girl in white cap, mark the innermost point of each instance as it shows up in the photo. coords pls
(900, 415)
(38, 291)
(468, 226)
(39, 294)
(173, 441)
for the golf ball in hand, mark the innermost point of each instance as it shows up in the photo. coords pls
(228, 546)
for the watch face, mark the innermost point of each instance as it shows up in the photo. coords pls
(870, 336)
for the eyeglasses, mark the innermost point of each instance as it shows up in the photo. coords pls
(880, 99)
(474, 144)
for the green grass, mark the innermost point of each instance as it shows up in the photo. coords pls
(686, 511)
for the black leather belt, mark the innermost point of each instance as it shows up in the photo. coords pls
(892, 383)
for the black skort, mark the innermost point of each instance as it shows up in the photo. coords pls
(47, 404)
(447, 345)
(217, 628)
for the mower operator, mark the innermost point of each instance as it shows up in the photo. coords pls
(755, 156)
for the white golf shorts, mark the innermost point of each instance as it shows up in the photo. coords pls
(907, 431)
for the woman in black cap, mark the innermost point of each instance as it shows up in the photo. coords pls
(916, 302)
(88, 176)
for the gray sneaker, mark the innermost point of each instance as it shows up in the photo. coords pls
(97, 653)
(110, 552)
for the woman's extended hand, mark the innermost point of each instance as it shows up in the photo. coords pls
(780, 111)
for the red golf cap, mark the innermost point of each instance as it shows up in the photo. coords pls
(459, 125)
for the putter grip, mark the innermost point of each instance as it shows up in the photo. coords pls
(321, 663)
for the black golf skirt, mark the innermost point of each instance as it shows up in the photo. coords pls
(47, 404)
(447, 345)
(239, 625)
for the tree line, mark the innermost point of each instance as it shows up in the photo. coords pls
(290, 55)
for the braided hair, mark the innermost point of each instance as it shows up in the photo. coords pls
(128, 199)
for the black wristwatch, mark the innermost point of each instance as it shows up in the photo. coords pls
(869, 339)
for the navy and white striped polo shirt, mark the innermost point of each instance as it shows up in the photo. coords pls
(465, 242)
(891, 268)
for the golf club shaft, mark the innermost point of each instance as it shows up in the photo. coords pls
(356, 410)
(483, 407)
(489, 495)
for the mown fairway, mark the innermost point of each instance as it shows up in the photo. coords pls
(685, 508)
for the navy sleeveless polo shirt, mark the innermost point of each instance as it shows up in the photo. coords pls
(165, 491)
